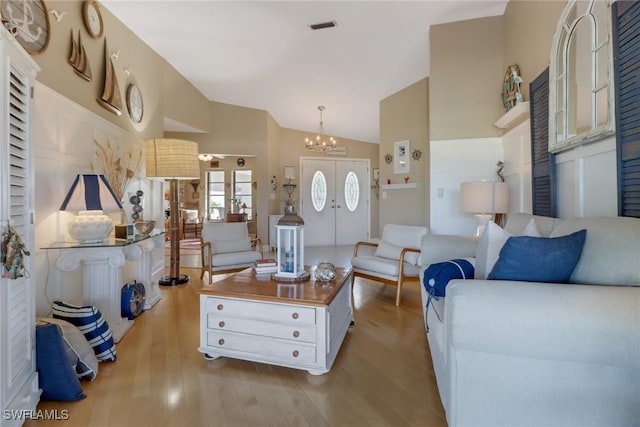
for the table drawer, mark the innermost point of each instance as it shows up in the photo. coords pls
(265, 348)
(301, 332)
(261, 311)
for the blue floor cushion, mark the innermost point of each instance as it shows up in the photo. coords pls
(92, 324)
(56, 376)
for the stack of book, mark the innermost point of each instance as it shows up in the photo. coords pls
(264, 267)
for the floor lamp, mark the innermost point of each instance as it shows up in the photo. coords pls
(173, 159)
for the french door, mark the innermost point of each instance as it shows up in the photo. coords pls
(334, 201)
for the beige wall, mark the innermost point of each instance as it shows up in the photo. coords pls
(148, 70)
(528, 33)
(405, 115)
(466, 78)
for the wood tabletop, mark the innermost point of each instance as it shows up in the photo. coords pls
(246, 285)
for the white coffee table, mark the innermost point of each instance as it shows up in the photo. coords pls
(297, 325)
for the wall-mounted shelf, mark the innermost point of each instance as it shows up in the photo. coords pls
(399, 186)
(513, 116)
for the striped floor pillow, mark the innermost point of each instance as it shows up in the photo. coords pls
(92, 324)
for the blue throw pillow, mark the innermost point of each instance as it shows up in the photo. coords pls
(92, 324)
(56, 377)
(437, 276)
(539, 259)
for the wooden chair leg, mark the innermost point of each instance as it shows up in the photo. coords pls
(398, 291)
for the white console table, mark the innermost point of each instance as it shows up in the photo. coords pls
(102, 265)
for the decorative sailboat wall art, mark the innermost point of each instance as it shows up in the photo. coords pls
(110, 98)
(78, 58)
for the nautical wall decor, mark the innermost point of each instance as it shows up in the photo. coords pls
(78, 58)
(110, 99)
(30, 20)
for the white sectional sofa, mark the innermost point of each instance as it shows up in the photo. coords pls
(511, 353)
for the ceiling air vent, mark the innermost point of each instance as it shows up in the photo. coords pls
(323, 25)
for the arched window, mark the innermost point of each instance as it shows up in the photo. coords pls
(351, 191)
(581, 75)
(318, 191)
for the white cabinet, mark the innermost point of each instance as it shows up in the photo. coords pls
(18, 378)
(302, 336)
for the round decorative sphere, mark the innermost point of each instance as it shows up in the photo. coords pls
(325, 271)
(135, 216)
(139, 193)
(137, 208)
(134, 200)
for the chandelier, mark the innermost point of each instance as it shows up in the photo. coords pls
(321, 142)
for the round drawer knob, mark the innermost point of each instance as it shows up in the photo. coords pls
(220, 306)
(295, 353)
(296, 334)
(295, 315)
(221, 324)
(221, 341)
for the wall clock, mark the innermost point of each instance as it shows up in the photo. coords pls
(92, 18)
(28, 20)
(132, 300)
(240, 162)
(134, 103)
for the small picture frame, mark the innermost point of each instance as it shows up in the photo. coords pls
(401, 157)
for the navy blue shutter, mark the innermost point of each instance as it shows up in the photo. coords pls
(626, 63)
(542, 162)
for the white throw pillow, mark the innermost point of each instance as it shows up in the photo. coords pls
(391, 251)
(490, 244)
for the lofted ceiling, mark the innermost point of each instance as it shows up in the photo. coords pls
(262, 54)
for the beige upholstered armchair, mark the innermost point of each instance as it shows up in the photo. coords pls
(226, 247)
(392, 260)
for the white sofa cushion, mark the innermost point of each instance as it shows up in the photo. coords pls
(384, 266)
(236, 259)
(611, 251)
(391, 251)
(227, 246)
(491, 242)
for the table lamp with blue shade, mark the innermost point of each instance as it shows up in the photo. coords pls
(90, 195)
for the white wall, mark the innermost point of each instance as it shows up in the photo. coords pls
(586, 176)
(453, 162)
(517, 167)
(63, 136)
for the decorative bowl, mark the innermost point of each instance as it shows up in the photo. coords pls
(144, 227)
(325, 271)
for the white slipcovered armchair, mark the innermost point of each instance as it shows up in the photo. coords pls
(396, 256)
(226, 247)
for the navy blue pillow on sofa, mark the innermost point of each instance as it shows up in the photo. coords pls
(56, 376)
(437, 275)
(539, 259)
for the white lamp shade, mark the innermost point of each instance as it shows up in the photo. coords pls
(172, 159)
(289, 172)
(484, 197)
(90, 192)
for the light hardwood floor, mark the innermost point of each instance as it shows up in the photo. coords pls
(383, 375)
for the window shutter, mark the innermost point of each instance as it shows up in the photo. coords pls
(626, 64)
(18, 151)
(542, 162)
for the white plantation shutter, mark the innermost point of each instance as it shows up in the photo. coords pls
(18, 152)
(17, 295)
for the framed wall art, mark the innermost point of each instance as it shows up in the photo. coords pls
(29, 21)
(401, 157)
